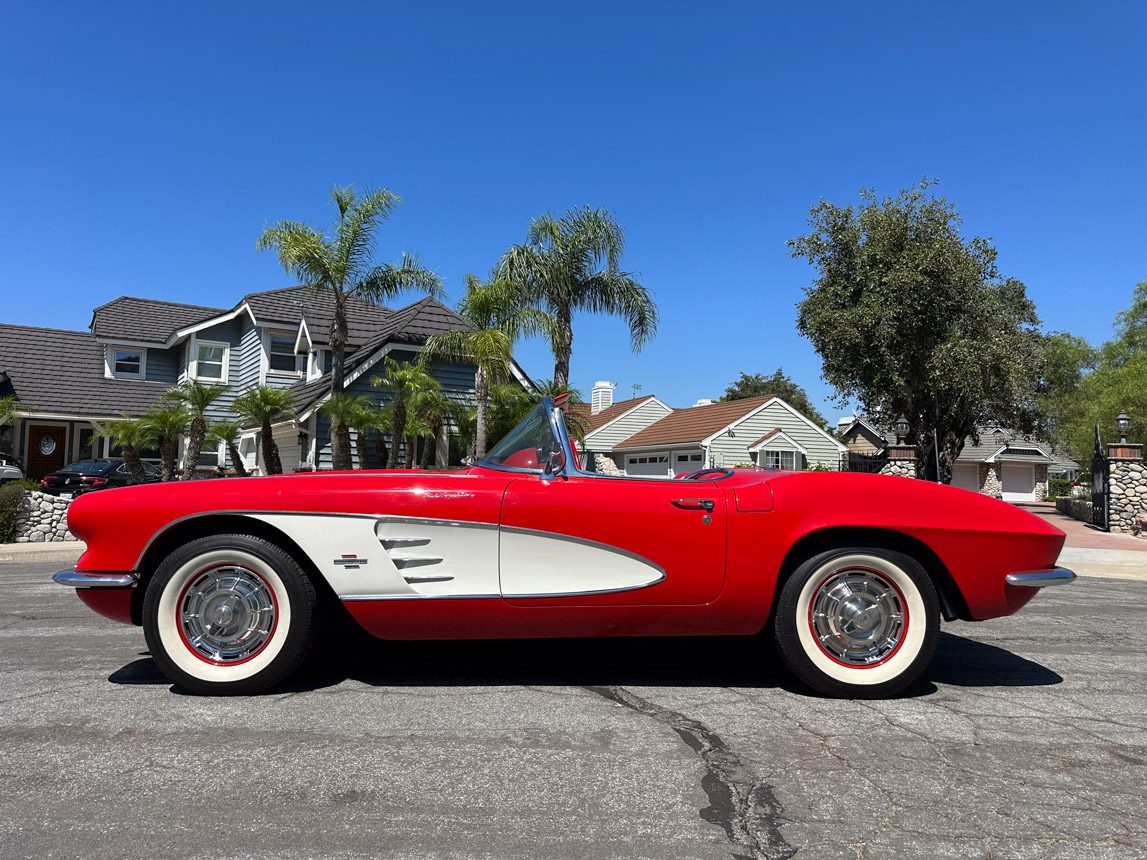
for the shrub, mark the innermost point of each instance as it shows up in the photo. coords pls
(10, 496)
(1057, 487)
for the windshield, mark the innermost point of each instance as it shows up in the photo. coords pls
(527, 446)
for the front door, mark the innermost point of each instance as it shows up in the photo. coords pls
(613, 541)
(46, 448)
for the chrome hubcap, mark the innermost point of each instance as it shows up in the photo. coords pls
(227, 614)
(857, 617)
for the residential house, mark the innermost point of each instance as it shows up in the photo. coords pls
(1004, 464)
(607, 424)
(136, 349)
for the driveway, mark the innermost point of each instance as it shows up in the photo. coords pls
(1028, 739)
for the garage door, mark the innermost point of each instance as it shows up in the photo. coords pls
(1019, 482)
(648, 465)
(966, 476)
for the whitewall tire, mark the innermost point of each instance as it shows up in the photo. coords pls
(229, 614)
(858, 622)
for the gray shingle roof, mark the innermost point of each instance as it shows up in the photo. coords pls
(991, 440)
(291, 304)
(149, 320)
(62, 372)
(413, 325)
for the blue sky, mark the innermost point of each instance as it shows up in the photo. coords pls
(144, 146)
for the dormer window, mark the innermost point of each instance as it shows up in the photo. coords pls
(281, 357)
(125, 362)
(210, 361)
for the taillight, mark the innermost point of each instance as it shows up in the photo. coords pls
(94, 482)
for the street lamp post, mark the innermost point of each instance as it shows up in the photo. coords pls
(1123, 424)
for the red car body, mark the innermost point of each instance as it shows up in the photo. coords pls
(498, 551)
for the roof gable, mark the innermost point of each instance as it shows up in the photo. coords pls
(692, 426)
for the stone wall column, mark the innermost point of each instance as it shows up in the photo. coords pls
(1128, 488)
(901, 462)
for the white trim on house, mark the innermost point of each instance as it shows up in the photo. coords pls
(214, 321)
(779, 434)
(1042, 457)
(304, 329)
(265, 369)
(589, 436)
(111, 348)
(316, 361)
(732, 425)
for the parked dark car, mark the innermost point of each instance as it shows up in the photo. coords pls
(88, 475)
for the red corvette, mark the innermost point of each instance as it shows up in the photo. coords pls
(849, 573)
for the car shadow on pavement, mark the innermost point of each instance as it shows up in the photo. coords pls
(654, 662)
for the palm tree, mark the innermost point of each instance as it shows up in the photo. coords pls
(195, 397)
(417, 433)
(132, 435)
(509, 404)
(264, 406)
(498, 315)
(344, 264)
(435, 409)
(226, 433)
(406, 380)
(169, 421)
(366, 418)
(573, 264)
(576, 422)
(346, 411)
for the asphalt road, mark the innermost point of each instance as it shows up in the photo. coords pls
(1029, 739)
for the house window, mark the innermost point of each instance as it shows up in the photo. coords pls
(126, 362)
(780, 460)
(281, 357)
(210, 458)
(211, 361)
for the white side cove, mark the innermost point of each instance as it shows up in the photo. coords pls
(393, 558)
(544, 564)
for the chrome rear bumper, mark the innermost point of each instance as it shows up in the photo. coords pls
(1041, 578)
(75, 579)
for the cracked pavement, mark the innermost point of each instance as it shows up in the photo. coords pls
(1027, 739)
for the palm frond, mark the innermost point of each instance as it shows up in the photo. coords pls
(389, 279)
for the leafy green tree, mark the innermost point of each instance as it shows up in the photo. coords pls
(195, 398)
(169, 421)
(910, 318)
(778, 385)
(1083, 387)
(344, 265)
(573, 264)
(406, 381)
(265, 406)
(131, 435)
(227, 433)
(498, 315)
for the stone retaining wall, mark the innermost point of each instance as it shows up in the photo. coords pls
(42, 518)
(1079, 509)
(1128, 496)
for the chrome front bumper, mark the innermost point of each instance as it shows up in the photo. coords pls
(75, 579)
(1041, 578)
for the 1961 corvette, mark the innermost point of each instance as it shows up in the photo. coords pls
(849, 573)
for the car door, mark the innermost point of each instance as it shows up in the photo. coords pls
(611, 541)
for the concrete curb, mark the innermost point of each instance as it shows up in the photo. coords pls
(65, 550)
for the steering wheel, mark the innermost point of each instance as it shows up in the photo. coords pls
(696, 476)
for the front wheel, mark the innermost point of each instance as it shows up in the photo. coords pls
(229, 615)
(858, 622)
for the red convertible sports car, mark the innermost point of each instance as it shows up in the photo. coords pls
(848, 573)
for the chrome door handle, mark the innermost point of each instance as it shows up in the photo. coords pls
(694, 504)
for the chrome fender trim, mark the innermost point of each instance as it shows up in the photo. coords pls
(1041, 578)
(76, 579)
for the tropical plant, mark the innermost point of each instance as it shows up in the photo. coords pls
(910, 318)
(577, 421)
(265, 406)
(227, 433)
(417, 434)
(9, 411)
(573, 264)
(509, 404)
(344, 265)
(498, 315)
(196, 398)
(435, 410)
(365, 418)
(406, 380)
(345, 411)
(132, 435)
(170, 422)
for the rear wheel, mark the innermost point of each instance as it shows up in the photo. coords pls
(858, 622)
(229, 614)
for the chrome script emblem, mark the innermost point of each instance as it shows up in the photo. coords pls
(350, 562)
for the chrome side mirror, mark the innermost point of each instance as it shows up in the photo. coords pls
(555, 464)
